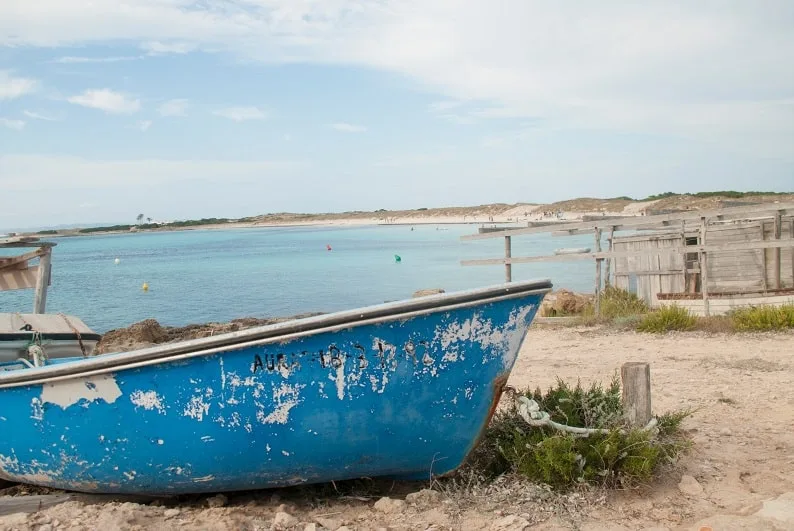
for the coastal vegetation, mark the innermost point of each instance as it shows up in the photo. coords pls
(618, 456)
(625, 310)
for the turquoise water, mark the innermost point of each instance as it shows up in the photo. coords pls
(218, 275)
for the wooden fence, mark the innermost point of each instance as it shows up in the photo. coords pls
(686, 222)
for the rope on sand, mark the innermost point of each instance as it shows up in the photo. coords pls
(531, 413)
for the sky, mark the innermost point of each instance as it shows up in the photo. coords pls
(184, 109)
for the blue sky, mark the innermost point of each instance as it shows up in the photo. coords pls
(186, 109)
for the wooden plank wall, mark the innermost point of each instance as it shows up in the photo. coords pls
(786, 269)
(745, 270)
(669, 279)
(735, 270)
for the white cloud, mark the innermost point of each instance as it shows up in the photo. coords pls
(107, 100)
(14, 87)
(241, 114)
(39, 116)
(348, 128)
(69, 59)
(444, 105)
(35, 173)
(159, 48)
(651, 66)
(176, 107)
(144, 125)
(17, 125)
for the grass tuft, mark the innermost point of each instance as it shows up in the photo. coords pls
(624, 456)
(763, 318)
(668, 319)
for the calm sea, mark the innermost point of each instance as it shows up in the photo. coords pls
(218, 275)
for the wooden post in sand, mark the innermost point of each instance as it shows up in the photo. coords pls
(704, 269)
(508, 265)
(636, 379)
(598, 273)
(608, 263)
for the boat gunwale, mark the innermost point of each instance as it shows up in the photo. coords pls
(274, 333)
(45, 336)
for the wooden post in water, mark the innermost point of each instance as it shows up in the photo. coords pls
(776, 254)
(636, 381)
(42, 281)
(508, 265)
(598, 273)
(704, 270)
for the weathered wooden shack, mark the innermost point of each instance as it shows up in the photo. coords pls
(732, 277)
(709, 261)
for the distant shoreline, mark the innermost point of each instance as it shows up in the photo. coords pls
(517, 214)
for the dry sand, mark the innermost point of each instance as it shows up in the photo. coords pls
(738, 476)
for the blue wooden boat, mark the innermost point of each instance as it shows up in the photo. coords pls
(399, 390)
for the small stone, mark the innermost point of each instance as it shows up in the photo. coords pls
(171, 513)
(344, 528)
(45, 527)
(726, 432)
(331, 524)
(389, 506)
(690, 486)
(509, 523)
(283, 521)
(218, 500)
(424, 497)
(56, 523)
(310, 527)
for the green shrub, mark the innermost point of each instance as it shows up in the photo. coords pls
(667, 319)
(759, 318)
(620, 457)
(616, 303)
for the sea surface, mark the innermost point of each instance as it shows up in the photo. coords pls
(200, 276)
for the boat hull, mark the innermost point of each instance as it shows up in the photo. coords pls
(404, 395)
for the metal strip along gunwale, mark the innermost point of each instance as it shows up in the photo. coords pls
(275, 333)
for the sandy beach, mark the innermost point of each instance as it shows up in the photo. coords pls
(739, 475)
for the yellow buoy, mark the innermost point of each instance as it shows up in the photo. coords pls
(145, 286)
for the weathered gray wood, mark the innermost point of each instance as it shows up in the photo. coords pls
(776, 252)
(652, 272)
(12, 279)
(42, 282)
(639, 221)
(34, 503)
(610, 246)
(704, 268)
(13, 261)
(636, 382)
(764, 261)
(633, 253)
(508, 254)
(598, 273)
